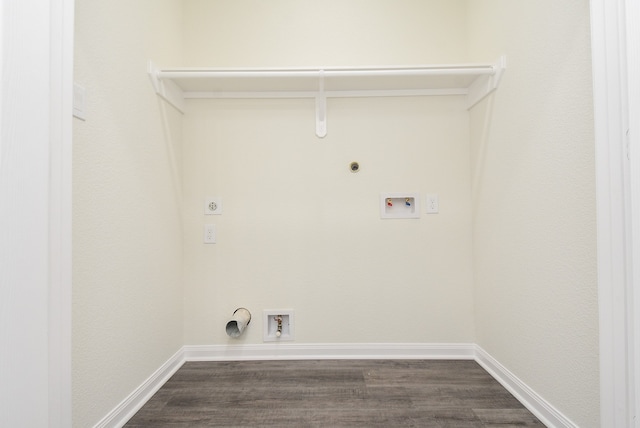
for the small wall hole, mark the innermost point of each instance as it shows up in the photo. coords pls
(354, 166)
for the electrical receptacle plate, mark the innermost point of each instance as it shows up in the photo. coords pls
(209, 233)
(433, 205)
(213, 206)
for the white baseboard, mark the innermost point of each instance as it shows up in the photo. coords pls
(130, 405)
(330, 351)
(542, 409)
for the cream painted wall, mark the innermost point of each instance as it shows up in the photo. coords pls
(127, 227)
(299, 230)
(534, 201)
(281, 33)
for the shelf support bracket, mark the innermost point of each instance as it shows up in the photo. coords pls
(166, 89)
(321, 108)
(485, 85)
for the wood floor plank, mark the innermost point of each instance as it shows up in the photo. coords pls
(335, 393)
(492, 418)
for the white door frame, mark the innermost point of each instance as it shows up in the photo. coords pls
(633, 64)
(632, 23)
(60, 213)
(612, 42)
(36, 48)
(615, 262)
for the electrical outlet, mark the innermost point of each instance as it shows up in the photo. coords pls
(213, 206)
(432, 203)
(209, 233)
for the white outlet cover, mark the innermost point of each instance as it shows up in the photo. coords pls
(209, 233)
(79, 102)
(213, 206)
(433, 206)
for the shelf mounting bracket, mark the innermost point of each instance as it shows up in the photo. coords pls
(321, 108)
(166, 89)
(485, 85)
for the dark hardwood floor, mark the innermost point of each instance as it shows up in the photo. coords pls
(333, 393)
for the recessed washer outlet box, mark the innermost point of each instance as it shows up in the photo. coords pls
(399, 205)
(278, 325)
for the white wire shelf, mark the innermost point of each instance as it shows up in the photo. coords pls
(475, 81)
